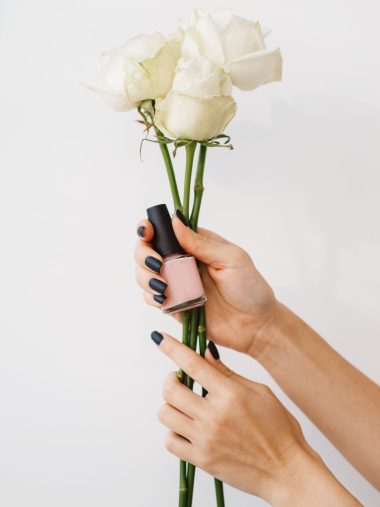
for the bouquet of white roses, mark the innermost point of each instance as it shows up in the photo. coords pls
(181, 86)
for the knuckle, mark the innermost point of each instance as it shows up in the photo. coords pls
(170, 442)
(169, 386)
(208, 449)
(167, 391)
(198, 243)
(205, 461)
(265, 389)
(162, 413)
(193, 365)
(231, 397)
(240, 255)
(216, 426)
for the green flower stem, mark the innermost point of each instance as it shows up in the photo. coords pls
(198, 187)
(183, 491)
(202, 331)
(190, 484)
(197, 328)
(183, 487)
(219, 493)
(190, 150)
(185, 340)
(171, 175)
(190, 384)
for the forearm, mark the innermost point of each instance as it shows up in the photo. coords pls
(338, 398)
(309, 482)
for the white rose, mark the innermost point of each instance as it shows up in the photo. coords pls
(234, 43)
(199, 105)
(200, 77)
(184, 117)
(141, 69)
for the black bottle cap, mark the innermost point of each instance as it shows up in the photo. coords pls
(164, 240)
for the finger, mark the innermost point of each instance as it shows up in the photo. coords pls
(156, 300)
(191, 362)
(176, 421)
(212, 356)
(179, 446)
(213, 359)
(205, 248)
(177, 316)
(212, 235)
(149, 282)
(147, 258)
(145, 230)
(181, 397)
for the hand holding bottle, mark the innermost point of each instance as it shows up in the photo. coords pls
(240, 304)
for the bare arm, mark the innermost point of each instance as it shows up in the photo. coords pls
(339, 399)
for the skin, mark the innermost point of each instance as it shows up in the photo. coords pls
(244, 314)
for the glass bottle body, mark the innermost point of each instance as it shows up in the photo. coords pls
(185, 290)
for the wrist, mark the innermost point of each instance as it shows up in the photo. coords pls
(270, 340)
(305, 480)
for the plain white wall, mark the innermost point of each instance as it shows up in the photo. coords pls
(80, 378)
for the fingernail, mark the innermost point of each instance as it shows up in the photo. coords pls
(214, 351)
(182, 217)
(141, 231)
(160, 298)
(156, 337)
(153, 263)
(157, 285)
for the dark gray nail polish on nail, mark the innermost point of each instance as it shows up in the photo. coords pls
(156, 337)
(141, 231)
(182, 217)
(214, 351)
(153, 263)
(157, 285)
(160, 298)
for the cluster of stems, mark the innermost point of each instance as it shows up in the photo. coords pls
(193, 321)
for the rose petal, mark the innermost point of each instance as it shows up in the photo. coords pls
(200, 77)
(181, 117)
(143, 45)
(256, 69)
(240, 36)
(115, 101)
(209, 41)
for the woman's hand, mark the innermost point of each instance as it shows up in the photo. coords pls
(241, 434)
(240, 303)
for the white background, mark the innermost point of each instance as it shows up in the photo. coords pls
(80, 378)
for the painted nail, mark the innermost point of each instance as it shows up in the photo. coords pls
(214, 351)
(153, 263)
(182, 217)
(157, 285)
(141, 231)
(156, 337)
(160, 298)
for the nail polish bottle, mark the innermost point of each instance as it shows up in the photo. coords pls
(179, 269)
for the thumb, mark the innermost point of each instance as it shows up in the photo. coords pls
(207, 249)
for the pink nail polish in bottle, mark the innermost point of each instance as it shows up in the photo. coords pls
(179, 269)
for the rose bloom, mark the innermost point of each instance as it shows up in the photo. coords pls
(143, 68)
(199, 105)
(235, 44)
